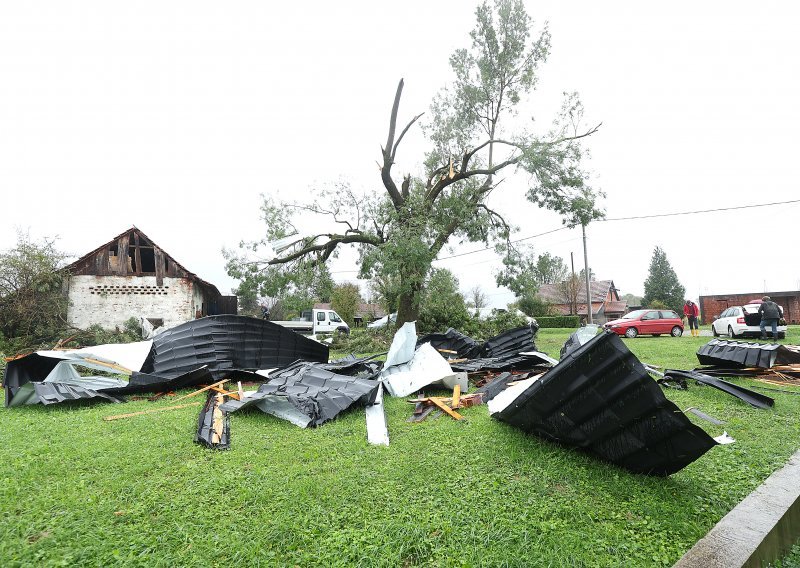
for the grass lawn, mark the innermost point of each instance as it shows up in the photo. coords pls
(79, 491)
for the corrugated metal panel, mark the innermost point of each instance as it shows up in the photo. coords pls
(463, 345)
(600, 398)
(228, 342)
(722, 352)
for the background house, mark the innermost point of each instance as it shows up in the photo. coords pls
(712, 306)
(605, 301)
(132, 277)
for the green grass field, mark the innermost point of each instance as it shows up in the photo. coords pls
(80, 491)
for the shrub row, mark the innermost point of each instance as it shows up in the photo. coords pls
(559, 321)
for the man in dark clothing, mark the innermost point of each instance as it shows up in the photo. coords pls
(770, 314)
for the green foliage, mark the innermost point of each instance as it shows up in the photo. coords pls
(632, 299)
(128, 492)
(345, 300)
(662, 283)
(363, 340)
(442, 305)
(499, 321)
(658, 305)
(33, 306)
(535, 306)
(571, 322)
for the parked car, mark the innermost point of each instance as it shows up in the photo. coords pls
(647, 322)
(744, 321)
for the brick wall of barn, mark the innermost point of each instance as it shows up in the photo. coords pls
(712, 306)
(111, 300)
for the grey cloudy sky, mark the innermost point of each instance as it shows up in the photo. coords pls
(175, 116)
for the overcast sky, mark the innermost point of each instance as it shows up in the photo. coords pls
(176, 116)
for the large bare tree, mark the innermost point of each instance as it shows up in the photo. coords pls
(401, 229)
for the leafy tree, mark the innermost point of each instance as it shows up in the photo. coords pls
(662, 283)
(345, 300)
(386, 288)
(442, 304)
(569, 289)
(401, 230)
(632, 300)
(33, 306)
(534, 306)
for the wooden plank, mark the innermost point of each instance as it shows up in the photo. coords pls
(204, 389)
(456, 396)
(123, 370)
(446, 409)
(151, 411)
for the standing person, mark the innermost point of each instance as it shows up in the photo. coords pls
(692, 311)
(770, 314)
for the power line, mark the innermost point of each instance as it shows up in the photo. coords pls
(514, 241)
(616, 219)
(701, 211)
(633, 218)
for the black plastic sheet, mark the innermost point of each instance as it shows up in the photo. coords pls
(600, 398)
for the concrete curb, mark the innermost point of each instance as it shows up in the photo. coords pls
(760, 529)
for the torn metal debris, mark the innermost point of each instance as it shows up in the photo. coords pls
(213, 424)
(752, 398)
(197, 352)
(307, 395)
(600, 398)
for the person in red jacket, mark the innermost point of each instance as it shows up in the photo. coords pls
(692, 311)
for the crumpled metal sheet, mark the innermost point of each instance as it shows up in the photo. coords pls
(452, 340)
(427, 367)
(599, 398)
(226, 342)
(307, 395)
(403, 345)
(213, 424)
(751, 397)
(361, 367)
(508, 363)
(506, 344)
(578, 338)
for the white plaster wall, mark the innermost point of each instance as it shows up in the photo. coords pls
(112, 300)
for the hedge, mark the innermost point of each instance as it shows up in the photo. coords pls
(559, 321)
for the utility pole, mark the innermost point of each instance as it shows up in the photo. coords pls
(573, 298)
(586, 264)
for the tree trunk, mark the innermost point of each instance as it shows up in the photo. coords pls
(408, 307)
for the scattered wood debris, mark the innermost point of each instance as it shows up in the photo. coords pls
(424, 407)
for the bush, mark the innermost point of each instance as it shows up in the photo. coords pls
(495, 324)
(559, 321)
(361, 341)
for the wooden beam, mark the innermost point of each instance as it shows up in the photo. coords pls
(204, 389)
(151, 411)
(446, 409)
(456, 396)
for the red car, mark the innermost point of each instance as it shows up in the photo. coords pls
(647, 322)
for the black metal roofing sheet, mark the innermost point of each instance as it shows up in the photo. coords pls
(738, 353)
(510, 342)
(228, 342)
(601, 399)
(463, 345)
